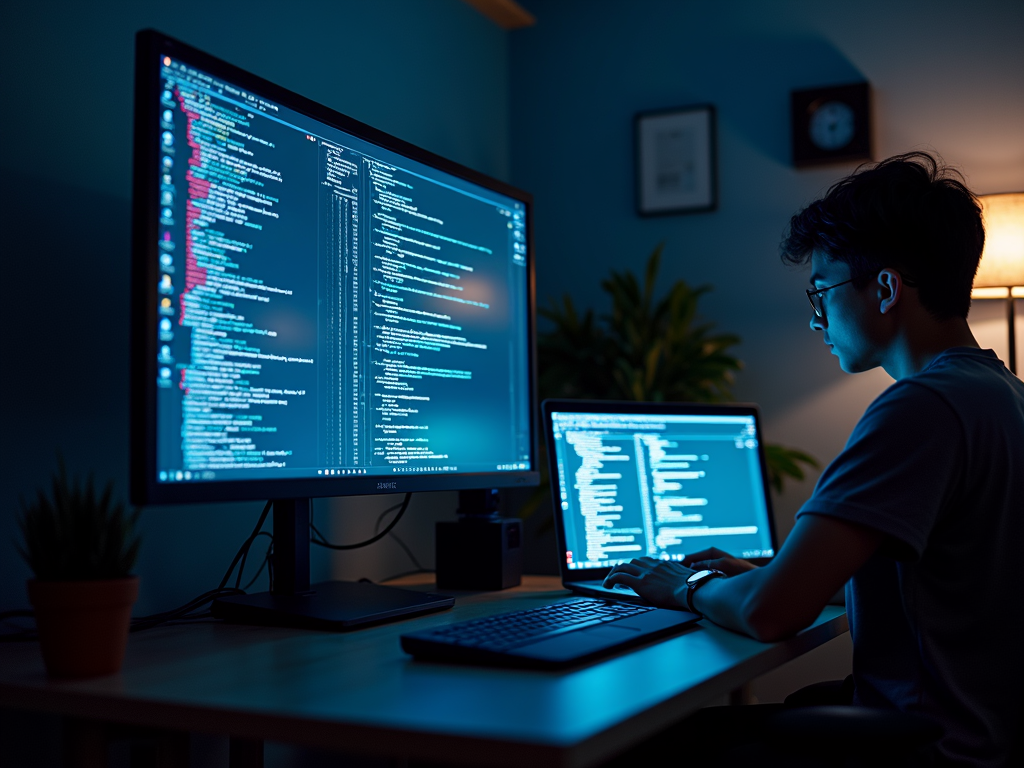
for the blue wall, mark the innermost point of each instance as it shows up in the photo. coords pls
(435, 74)
(550, 108)
(947, 76)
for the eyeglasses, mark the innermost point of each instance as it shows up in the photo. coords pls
(815, 297)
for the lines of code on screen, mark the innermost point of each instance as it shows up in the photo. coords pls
(640, 485)
(328, 307)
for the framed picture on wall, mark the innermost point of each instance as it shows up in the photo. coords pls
(675, 161)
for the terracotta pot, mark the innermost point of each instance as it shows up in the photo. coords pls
(83, 625)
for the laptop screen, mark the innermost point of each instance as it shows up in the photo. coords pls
(659, 485)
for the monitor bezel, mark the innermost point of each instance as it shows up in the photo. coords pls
(144, 487)
(548, 407)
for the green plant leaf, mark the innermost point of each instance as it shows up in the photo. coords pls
(785, 462)
(75, 535)
(644, 349)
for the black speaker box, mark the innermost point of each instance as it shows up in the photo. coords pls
(479, 553)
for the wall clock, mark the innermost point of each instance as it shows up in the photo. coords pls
(831, 124)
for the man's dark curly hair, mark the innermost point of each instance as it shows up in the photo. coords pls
(909, 213)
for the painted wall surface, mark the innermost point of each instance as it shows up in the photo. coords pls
(432, 73)
(946, 76)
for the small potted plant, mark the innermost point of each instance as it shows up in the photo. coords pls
(81, 548)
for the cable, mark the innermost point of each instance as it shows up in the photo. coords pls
(408, 552)
(406, 573)
(184, 612)
(320, 540)
(187, 612)
(244, 549)
(399, 541)
(382, 515)
(268, 559)
(241, 566)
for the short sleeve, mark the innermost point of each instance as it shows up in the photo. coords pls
(898, 470)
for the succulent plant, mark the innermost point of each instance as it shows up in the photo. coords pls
(75, 536)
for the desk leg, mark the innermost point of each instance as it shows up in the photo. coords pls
(86, 743)
(158, 749)
(742, 695)
(245, 753)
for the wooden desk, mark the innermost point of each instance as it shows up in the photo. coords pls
(358, 692)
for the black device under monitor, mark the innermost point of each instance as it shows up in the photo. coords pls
(318, 309)
(480, 550)
(658, 480)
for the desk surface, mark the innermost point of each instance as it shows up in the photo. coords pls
(358, 692)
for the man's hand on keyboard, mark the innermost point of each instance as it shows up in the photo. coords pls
(718, 560)
(659, 582)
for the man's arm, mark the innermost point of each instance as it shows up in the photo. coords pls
(773, 602)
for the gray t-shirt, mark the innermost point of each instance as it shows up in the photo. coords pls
(937, 464)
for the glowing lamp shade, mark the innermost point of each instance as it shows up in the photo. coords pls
(1002, 263)
(1001, 272)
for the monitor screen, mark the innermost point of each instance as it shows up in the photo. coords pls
(659, 485)
(324, 302)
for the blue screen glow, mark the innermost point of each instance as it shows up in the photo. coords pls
(327, 306)
(664, 486)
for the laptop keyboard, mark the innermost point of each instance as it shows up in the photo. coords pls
(511, 630)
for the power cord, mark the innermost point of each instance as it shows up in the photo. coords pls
(243, 551)
(189, 612)
(403, 574)
(419, 566)
(320, 540)
(185, 613)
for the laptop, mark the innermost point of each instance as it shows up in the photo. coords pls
(628, 480)
(655, 480)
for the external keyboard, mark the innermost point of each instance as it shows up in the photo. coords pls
(509, 630)
(551, 635)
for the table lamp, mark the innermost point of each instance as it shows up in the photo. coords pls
(1001, 272)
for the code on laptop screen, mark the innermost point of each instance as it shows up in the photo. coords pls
(635, 485)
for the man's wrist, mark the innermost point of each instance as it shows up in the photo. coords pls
(695, 582)
(680, 596)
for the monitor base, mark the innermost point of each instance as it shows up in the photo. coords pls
(331, 605)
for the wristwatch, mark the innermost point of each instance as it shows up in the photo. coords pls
(695, 581)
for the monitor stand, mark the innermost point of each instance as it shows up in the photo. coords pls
(333, 605)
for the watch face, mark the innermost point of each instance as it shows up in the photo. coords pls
(832, 125)
(698, 576)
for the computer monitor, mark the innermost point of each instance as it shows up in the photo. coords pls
(319, 308)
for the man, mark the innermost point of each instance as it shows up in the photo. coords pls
(922, 514)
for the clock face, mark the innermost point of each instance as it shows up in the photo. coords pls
(831, 126)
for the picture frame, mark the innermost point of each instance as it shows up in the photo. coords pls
(675, 153)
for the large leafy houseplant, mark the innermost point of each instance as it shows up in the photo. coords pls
(81, 545)
(645, 349)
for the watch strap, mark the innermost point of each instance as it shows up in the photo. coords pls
(692, 587)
